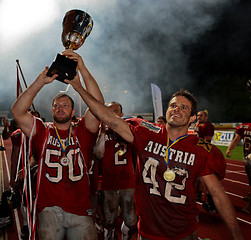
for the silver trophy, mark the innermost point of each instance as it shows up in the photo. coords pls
(77, 26)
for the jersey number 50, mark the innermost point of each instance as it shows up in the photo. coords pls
(55, 178)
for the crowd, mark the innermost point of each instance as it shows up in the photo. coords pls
(86, 168)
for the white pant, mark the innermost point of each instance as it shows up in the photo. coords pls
(55, 223)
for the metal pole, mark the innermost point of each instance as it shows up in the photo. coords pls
(24, 80)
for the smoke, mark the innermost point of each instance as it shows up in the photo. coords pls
(132, 44)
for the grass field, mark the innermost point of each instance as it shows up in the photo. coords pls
(236, 153)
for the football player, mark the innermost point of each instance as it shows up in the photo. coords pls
(169, 163)
(64, 147)
(117, 186)
(243, 131)
(203, 128)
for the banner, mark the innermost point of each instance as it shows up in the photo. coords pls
(223, 138)
(157, 101)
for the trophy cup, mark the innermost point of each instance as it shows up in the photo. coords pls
(77, 26)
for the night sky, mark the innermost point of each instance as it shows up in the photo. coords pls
(220, 64)
(199, 45)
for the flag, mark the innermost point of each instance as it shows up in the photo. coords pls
(19, 88)
(157, 101)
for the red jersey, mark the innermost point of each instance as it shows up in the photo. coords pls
(244, 130)
(204, 129)
(117, 167)
(167, 210)
(65, 182)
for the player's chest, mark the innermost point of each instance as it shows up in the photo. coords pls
(181, 155)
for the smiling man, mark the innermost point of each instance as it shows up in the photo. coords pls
(169, 163)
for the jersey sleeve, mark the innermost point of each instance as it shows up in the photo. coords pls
(38, 138)
(40, 127)
(215, 163)
(240, 130)
(142, 129)
(134, 126)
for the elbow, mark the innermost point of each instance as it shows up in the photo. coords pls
(102, 100)
(13, 111)
(16, 111)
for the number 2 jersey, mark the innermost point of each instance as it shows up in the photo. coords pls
(64, 183)
(167, 210)
(117, 168)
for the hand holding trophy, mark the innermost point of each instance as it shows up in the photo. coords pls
(77, 26)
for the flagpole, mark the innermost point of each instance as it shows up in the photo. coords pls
(24, 80)
(80, 107)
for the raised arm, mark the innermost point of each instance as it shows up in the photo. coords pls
(21, 106)
(103, 113)
(91, 86)
(233, 144)
(99, 147)
(221, 199)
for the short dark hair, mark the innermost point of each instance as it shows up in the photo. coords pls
(189, 96)
(63, 95)
(34, 112)
(116, 103)
(163, 118)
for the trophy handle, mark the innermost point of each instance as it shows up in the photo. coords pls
(64, 67)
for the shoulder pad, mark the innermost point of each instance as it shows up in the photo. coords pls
(150, 126)
(206, 145)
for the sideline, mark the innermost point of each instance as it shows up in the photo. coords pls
(235, 181)
(236, 172)
(240, 219)
(236, 165)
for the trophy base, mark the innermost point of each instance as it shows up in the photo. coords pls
(64, 67)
